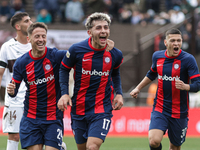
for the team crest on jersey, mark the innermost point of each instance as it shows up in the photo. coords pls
(67, 54)
(176, 66)
(47, 67)
(107, 60)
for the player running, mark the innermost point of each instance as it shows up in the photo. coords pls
(94, 72)
(174, 68)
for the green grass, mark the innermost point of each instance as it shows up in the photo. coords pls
(118, 143)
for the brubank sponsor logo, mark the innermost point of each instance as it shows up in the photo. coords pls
(168, 78)
(40, 81)
(96, 73)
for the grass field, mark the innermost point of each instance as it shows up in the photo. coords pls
(122, 143)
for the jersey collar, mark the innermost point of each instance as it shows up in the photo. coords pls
(90, 44)
(172, 56)
(37, 58)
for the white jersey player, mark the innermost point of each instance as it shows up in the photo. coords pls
(9, 52)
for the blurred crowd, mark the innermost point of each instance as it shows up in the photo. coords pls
(123, 11)
(142, 12)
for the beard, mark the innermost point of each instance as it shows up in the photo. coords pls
(24, 32)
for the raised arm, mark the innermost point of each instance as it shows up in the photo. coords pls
(134, 93)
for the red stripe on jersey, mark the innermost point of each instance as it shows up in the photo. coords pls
(65, 65)
(195, 76)
(160, 95)
(100, 94)
(30, 72)
(176, 68)
(119, 64)
(16, 81)
(85, 82)
(51, 91)
(152, 70)
(112, 94)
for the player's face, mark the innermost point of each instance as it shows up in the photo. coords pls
(24, 24)
(173, 42)
(38, 40)
(99, 33)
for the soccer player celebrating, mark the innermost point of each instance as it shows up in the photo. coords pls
(95, 73)
(173, 68)
(10, 51)
(42, 121)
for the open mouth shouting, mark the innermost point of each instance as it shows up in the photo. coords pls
(102, 39)
(176, 49)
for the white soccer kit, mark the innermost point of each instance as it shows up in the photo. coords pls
(10, 51)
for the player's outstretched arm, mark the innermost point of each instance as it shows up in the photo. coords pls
(11, 88)
(64, 101)
(134, 93)
(118, 102)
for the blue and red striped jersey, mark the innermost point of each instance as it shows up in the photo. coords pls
(169, 100)
(41, 76)
(95, 73)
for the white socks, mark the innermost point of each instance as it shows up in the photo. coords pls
(12, 145)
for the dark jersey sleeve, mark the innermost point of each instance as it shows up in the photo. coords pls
(193, 72)
(59, 55)
(152, 73)
(67, 63)
(17, 76)
(116, 72)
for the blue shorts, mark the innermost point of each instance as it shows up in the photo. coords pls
(177, 128)
(96, 125)
(46, 132)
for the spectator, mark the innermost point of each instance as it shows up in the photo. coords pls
(130, 4)
(74, 11)
(125, 15)
(116, 7)
(153, 4)
(4, 11)
(193, 3)
(44, 16)
(186, 7)
(136, 17)
(62, 6)
(53, 7)
(91, 6)
(16, 6)
(38, 5)
(109, 8)
(186, 42)
(168, 4)
(177, 16)
(161, 19)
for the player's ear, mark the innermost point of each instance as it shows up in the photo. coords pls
(17, 27)
(89, 32)
(28, 39)
(165, 42)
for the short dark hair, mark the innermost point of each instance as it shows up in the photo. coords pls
(173, 31)
(36, 25)
(17, 17)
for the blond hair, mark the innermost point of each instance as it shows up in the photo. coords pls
(97, 16)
